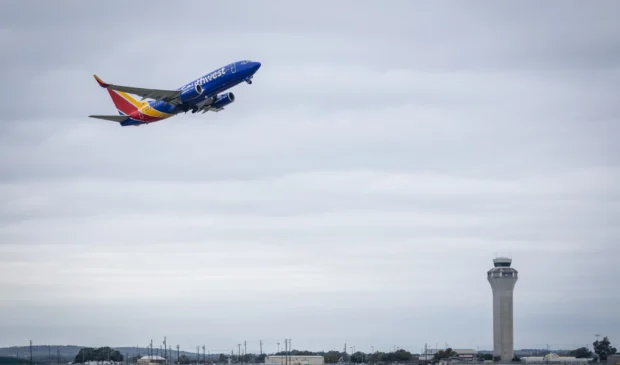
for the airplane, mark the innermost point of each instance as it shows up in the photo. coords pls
(201, 95)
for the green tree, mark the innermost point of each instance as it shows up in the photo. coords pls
(184, 360)
(100, 354)
(603, 348)
(358, 357)
(402, 356)
(332, 357)
(5, 360)
(375, 357)
(581, 353)
(444, 354)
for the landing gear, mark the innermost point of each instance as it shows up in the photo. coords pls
(249, 80)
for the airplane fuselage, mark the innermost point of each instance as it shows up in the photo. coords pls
(203, 94)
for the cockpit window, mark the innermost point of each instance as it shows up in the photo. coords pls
(244, 62)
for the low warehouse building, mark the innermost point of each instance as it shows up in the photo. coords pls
(613, 360)
(146, 360)
(466, 354)
(555, 359)
(294, 360)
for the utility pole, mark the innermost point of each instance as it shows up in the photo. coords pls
(30, 352)
(178, 355)
(204, 355)
(238, 352)
(278, 347)
(197, 354)
(165, 350)
(288, 350)
(245, 349)
(261, 347)
(151, 354)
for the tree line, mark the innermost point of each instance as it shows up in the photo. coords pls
(602, 349)
(100, 354)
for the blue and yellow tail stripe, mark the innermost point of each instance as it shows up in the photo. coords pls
(147, 110)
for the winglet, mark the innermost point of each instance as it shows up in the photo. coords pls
(101, 83)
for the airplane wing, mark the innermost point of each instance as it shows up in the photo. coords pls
(113, 118)
(210, 109)
(169, 96)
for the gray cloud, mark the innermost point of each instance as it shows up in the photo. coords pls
(355, 192)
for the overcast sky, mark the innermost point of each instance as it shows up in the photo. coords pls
(356, 192)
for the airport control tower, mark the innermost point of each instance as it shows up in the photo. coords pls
(502, 279)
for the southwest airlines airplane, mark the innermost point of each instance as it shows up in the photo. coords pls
(203, 94)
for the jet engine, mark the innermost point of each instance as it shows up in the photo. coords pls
(222, 100)
(191, 94)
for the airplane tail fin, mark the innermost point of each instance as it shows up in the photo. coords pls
(124, 103)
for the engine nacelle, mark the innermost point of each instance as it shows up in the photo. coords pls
(222, 100)
(191, 94)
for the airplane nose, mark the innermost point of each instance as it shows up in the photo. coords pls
(257, 65)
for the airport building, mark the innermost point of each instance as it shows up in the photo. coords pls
(294, 360)
(466, 354)
(147, 360)
(613, 359)
(554, 359)
(502, 279)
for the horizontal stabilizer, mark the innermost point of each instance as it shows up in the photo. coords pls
(114, 118)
